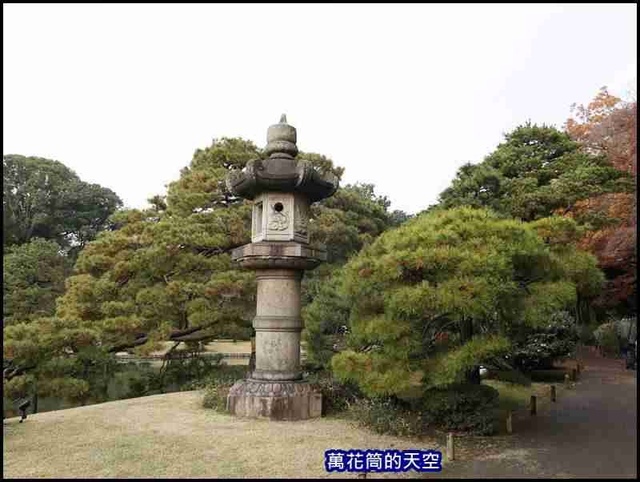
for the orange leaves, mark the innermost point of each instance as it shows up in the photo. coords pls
(619, 205)
(595, 112)
(607, 126)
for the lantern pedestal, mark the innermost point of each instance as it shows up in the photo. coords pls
(290, 400)
(275, 389)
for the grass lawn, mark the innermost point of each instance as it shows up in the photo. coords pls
(517, 398)
(171, 435)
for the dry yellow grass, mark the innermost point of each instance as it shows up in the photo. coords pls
(172, 436)
(229, 347)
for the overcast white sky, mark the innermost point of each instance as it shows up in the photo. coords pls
(399, 95)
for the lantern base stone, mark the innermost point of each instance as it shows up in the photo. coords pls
(286, 400)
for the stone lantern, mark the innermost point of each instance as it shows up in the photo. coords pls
(282, 189)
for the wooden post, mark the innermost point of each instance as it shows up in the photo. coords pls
(450, 449)
(553, 393)
(509, 422)
(533, 405)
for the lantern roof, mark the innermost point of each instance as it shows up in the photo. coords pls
(281, 171)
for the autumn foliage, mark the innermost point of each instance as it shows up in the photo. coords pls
(607, 126)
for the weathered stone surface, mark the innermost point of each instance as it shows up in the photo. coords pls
(281, 172)
(279, 216)
(274, 400)
(278, 325)
(279, 254)
(283, 189)
(281, 139)
(277, 355)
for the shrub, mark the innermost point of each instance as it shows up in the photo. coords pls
(539, 348)
(185, 368)
(627, 330)
(615, 336)
(585, 335)
(337, 396)
(138, 387)
(220, 374)
(464, 407)
(387, 416)
(215, 395)
(217, 385)
(18, 387)
(607, 338)
(132, 381)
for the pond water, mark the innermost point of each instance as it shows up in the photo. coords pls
(120, 387)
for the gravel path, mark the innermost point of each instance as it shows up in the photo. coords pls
(590, 432)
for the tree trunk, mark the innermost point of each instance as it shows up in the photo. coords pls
(466, 330)
(85, 375)
(35, 401)
(166, 359)
(466, 333)
(105, 380)
(473, 375)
